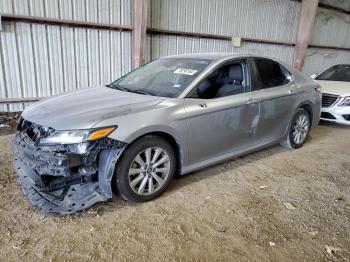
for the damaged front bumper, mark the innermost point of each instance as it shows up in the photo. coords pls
(58, 180)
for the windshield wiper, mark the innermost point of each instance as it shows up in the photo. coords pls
(141, 92)
(122, 88)
(118, 87)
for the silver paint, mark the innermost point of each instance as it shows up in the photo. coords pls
(225, 127)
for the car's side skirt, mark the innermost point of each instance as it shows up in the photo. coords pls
(233, 154)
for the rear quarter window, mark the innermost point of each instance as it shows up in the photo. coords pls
(271, 73)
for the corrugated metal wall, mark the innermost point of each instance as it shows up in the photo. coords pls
(267, 20)
(319, 59)
(271, 20)
(162, 45)
(103, 11)
(43, 60)
(331, 28)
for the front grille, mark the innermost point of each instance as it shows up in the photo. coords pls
(328, 100)
(327, 115)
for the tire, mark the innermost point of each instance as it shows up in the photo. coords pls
(135, 170)
(292, 141)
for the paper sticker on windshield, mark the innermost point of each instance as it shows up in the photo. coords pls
(184, 71)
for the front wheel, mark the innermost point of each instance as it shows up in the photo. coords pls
(145, 169)
(299, 129)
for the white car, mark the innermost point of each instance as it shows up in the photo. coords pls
(335, 83)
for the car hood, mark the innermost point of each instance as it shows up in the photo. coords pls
(335, 87)
(84, 108)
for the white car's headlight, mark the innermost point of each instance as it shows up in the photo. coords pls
(75, 137)
(345, 101)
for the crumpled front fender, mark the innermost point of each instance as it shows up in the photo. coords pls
(75, 197)
(107, 162)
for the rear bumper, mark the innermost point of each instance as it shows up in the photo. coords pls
(54, 183)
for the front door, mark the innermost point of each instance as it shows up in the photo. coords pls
(220, 126)
(226, 119)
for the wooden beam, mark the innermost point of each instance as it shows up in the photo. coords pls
(334, 8)
(159, 31)
(330, 47)
(19, 100)
(306, 22)
(62, 22)
(139, 32)
(214, 36)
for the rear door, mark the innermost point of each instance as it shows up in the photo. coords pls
(273, 86)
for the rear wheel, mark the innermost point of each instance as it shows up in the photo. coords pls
(299, 129)
(146, 169)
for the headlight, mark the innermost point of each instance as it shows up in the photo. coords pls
(75, 137)
(345, 101)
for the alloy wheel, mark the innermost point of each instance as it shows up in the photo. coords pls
(149, 171)
(301, 129)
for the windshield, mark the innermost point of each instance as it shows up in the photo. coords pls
(336, 73)
(167, 77)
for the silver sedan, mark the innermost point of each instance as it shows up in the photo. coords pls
(171, 116)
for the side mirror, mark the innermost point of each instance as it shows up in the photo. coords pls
(313, 76)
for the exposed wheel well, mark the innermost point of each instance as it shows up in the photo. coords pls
(308, 109)
(172, 141)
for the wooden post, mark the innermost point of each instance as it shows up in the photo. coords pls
(306, 22)
(139, 32)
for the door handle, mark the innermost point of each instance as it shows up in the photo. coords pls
(252, 101)
(291, 92)
(203, 105)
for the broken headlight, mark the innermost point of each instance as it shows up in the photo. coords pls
(75, 137)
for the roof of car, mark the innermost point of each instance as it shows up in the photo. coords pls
(209, 56)
(223, 57)
(216, 56)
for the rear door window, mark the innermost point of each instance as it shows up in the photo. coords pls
(269, 74)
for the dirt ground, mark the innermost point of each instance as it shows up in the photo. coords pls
(8, 122)
(235, 211)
